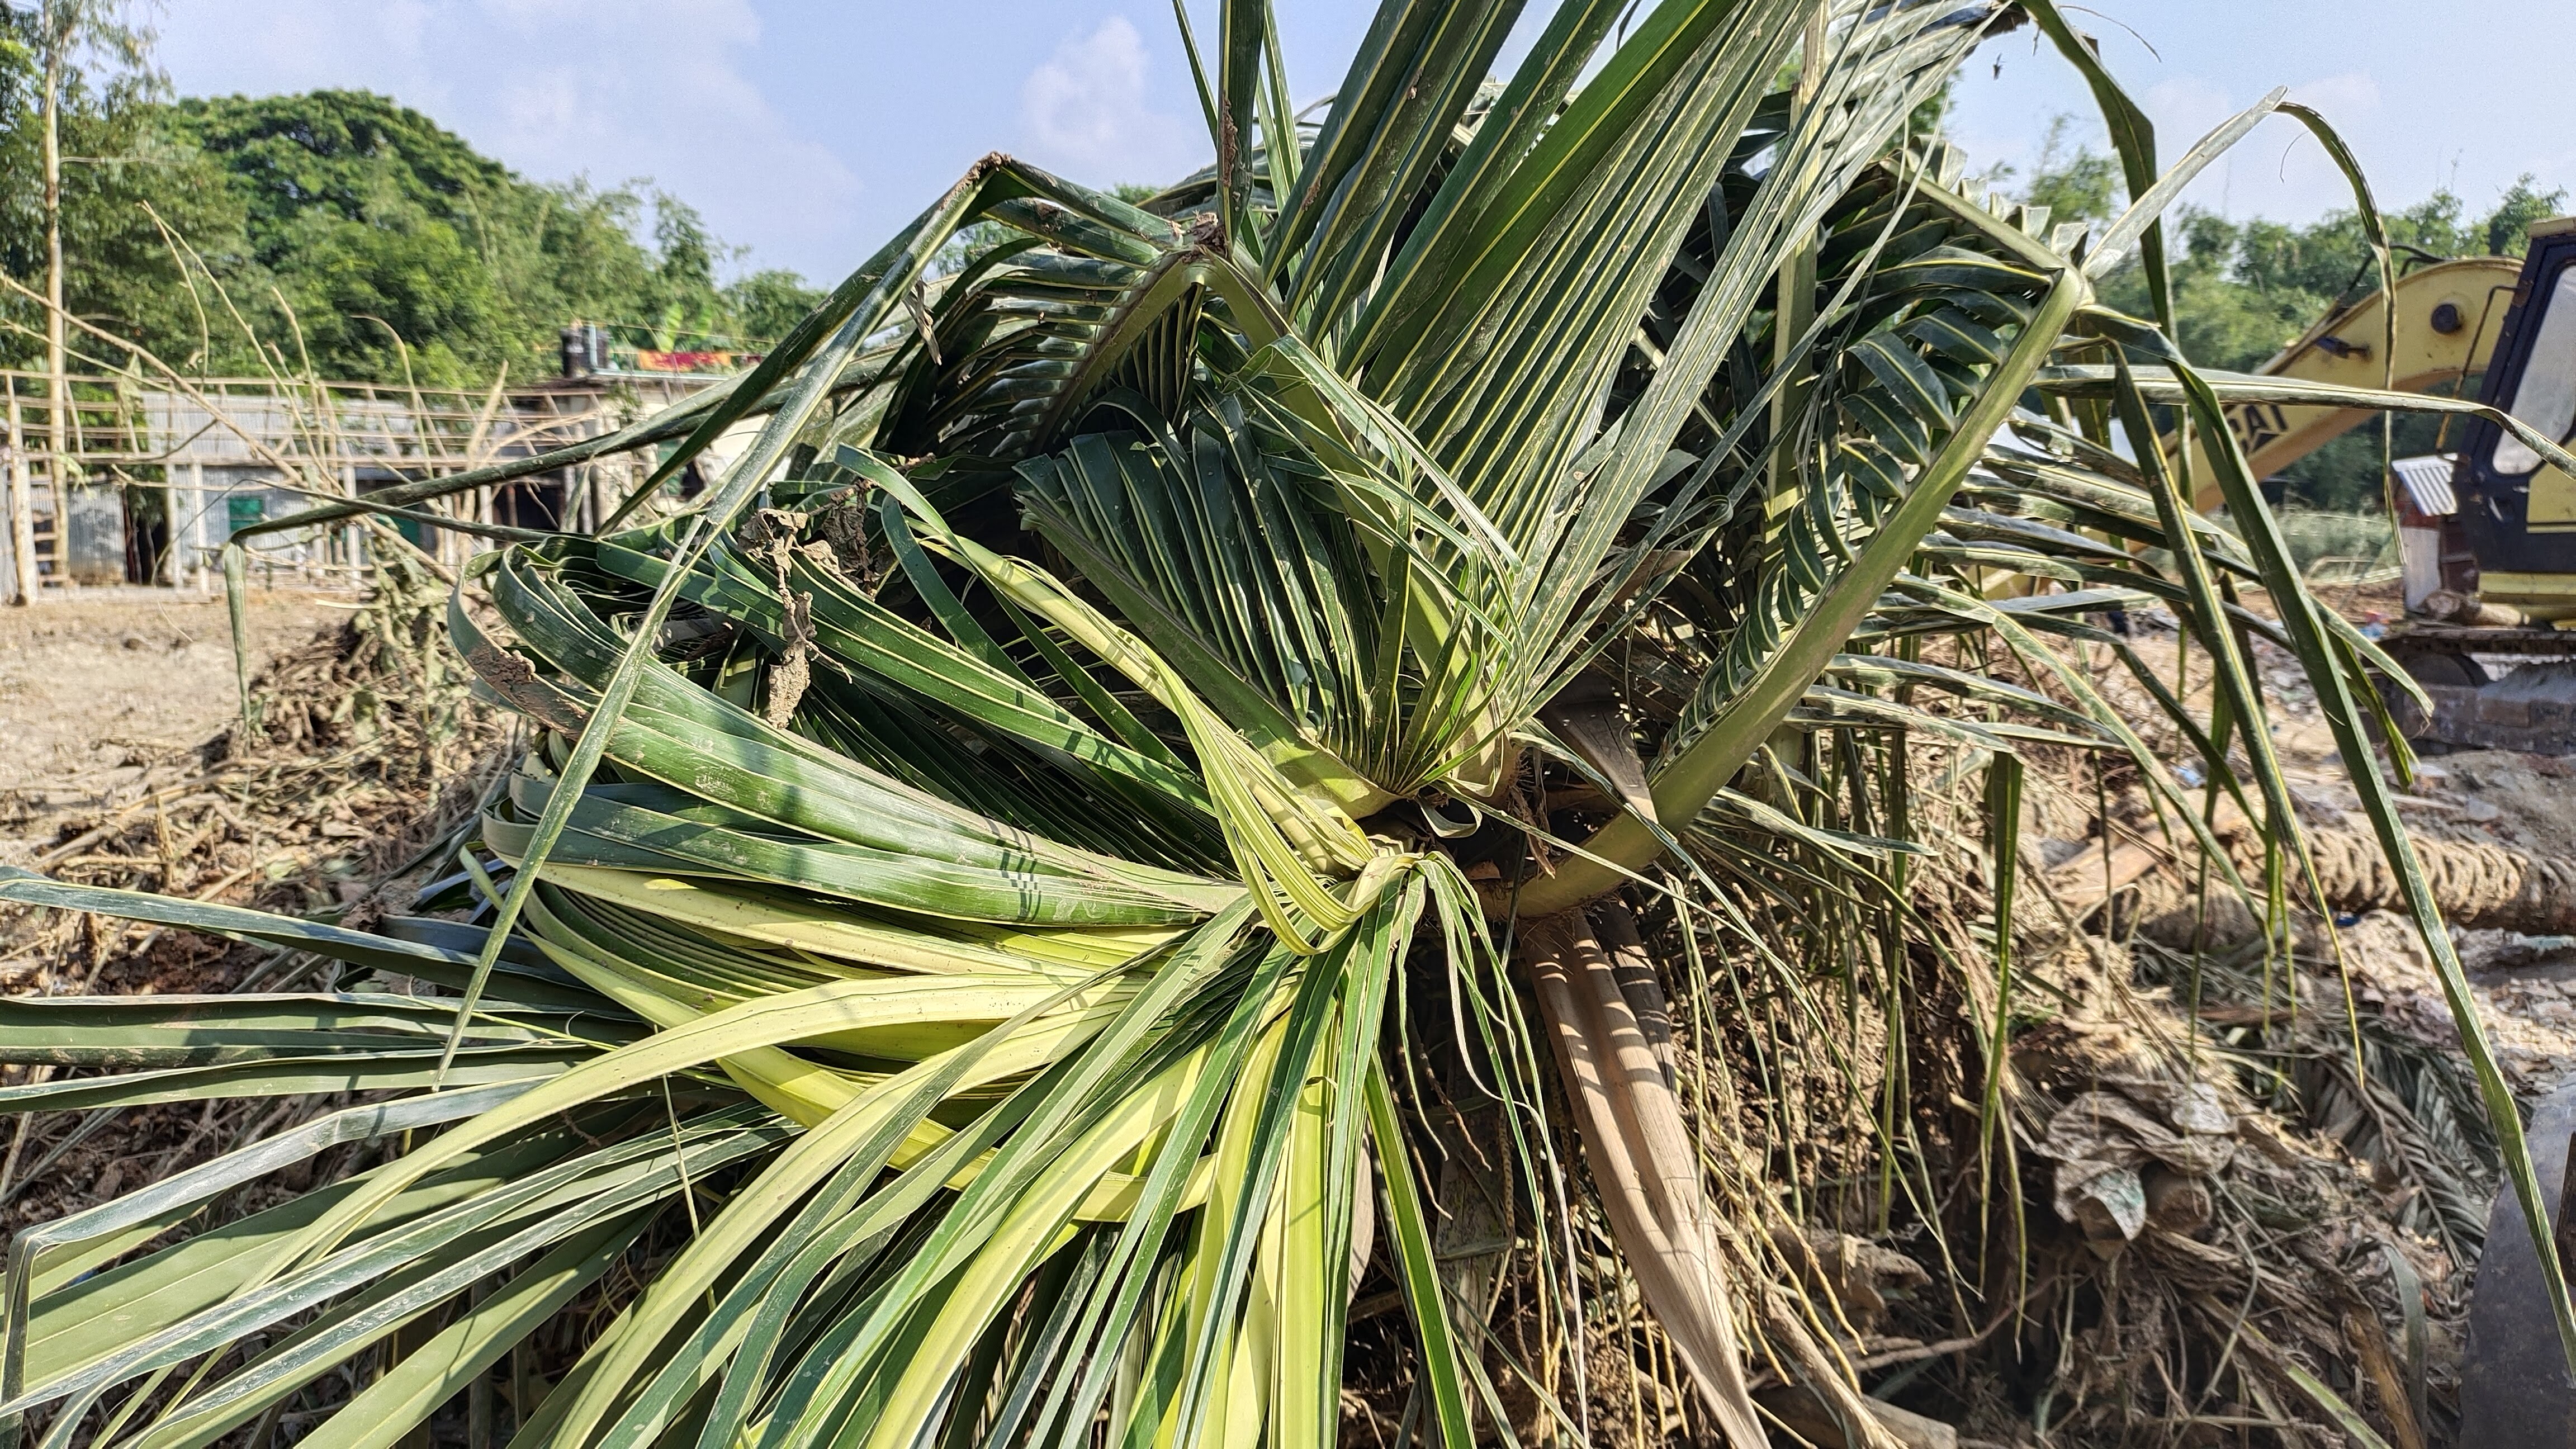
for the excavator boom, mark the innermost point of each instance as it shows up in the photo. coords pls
(2447, 317)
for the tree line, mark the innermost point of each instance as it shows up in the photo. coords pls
(343, 234)
(334, 233)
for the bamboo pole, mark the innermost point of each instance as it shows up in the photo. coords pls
(9, 493)
(196, 523)
(57, 39)
(352, 534)
(165, 569)
(22, 511)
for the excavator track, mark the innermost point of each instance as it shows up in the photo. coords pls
(2531, 707)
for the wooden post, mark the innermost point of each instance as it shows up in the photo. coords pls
(55, 481)
(166, 570)
(19, 539)
(22, 511)
(354, 532)
(57, 32)
(196, 523)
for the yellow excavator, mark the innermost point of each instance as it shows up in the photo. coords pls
(2486, 534)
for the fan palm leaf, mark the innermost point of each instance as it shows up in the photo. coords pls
(950, 962)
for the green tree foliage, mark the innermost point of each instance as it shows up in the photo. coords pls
(2074, 181)
(2243, 290)
(120, 170)
(766, 303)
(376, 223)
(341, 231)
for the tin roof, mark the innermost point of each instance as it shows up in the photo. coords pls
(2428, 482)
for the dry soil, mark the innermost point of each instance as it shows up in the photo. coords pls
(88, 682)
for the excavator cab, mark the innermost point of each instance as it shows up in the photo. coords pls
(2486, 538)
(2517, 514)
(2492, 644)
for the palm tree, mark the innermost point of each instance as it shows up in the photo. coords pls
(1176, 724)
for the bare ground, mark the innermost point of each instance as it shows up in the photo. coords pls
(90, 684)
(2524, 985)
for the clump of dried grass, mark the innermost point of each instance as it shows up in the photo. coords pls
(2268, 1276)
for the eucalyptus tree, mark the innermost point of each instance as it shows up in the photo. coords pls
(956, 958)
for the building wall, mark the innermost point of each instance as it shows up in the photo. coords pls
(94, 534)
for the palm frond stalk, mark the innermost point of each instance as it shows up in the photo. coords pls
(1004, 889)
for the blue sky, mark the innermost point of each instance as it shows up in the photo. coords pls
(809, 131)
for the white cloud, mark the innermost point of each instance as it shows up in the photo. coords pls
(610, 89)
(2186, 108)
(2341, 98)
(1084, 111)
(2277, 170)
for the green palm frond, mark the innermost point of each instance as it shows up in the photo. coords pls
(963, 950)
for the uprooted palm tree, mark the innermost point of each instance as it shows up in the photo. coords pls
(1016, 898)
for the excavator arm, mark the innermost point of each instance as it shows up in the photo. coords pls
(2447, 318)
(2494, 566)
